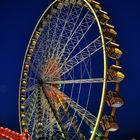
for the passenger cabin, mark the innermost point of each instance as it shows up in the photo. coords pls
(66, 2)
(24, 82)
(23, 123)
(114, 99)
(109, 123)
(23, 114)
(44, 22)
(25, 74)
(33, 42)
(80, 2)
(113, 50)
(31, 49)
(23, 90)
(60, 6)
(109, 31)
(96, 5)
(72, 1)
(26, 66)
(36, 35)
(103, 16)
(28, 58)
(22, 106)
(40, 29)
(114, 74)
(22, 98)
(53, 11)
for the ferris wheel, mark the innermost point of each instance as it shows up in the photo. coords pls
(71, 74)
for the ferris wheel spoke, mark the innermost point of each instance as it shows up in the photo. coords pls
(76, 36)
(85, 70)
(31, 109)
(85, 53)
(49, 127)
(82, 112)
(60, 125)
(31, 123)
(31, 82)
(82, 55)
(31, 88)
(31, 78)
(35, 63)
(42, 44)
(31, 97)
(69, 27)
(51, 27)
(60, 21)
(78, 81)
(60, 25)
(48, 40)
(45, 123)
(89, 118)
(50, 124)
(33, 69)
(44, 41)
(45, 45)
(72, 126)
(46, 117)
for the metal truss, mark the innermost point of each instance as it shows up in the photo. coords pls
(82, 112)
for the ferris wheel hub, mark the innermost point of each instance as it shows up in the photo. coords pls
(51, 70)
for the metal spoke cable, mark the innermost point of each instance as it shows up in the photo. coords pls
(72, 22)
(65, 27)
(31, 97)
(78, 81)
(89, 118)
(67, 31)
(60, 125)
(79, 92)
(58, 26)
(31, 88)
(77, 36)
(83, 54)
(92, 48)
(44, 37)
(31, 126)
(30, 110)
(54, 42)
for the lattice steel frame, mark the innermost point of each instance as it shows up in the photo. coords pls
(104, 80)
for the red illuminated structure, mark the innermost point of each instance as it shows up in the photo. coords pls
(12, 135)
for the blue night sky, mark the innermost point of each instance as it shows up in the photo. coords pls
(17, 21)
